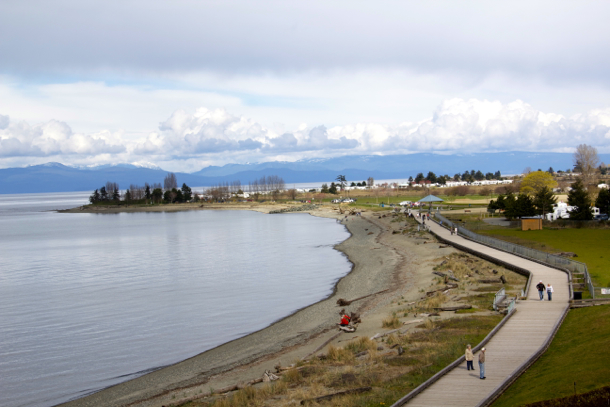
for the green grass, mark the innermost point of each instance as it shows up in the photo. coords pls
(577, 354)
(591, 245)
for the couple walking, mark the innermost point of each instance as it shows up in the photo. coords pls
(549, 290)
(470, 357)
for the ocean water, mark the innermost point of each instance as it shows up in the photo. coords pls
(91, 300)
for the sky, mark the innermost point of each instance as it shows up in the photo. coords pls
(184, 84)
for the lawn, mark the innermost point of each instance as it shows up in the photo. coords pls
(576, 360)
(591, 245)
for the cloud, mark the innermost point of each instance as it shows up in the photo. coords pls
(4, 122)
(217, 131)
(218, 136)
(275, 36)
(53, 138)
(460, 125)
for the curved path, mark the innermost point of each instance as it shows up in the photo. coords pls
(523, 335)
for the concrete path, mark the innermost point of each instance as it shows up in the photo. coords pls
(519, 339)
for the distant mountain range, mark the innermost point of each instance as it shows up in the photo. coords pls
(56, 177)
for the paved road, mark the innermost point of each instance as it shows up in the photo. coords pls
(521, 337)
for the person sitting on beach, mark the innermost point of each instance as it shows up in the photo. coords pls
(345, 320)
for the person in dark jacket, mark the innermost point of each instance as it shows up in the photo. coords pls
(482, 364)
(541, 288)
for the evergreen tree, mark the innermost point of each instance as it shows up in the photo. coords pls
(510, 209)
(544, 200)
(324, 189)
(95, 197)
(524, 206)
(419, 178)
(411, 178)
(127, 196)
(479, 176)
(116, 196)
(333, 188)
(187, 193)
(179, 195)
(579, 198)
(603, 201)
(147, 193)
(103, 194)
(431, 177)
(157, 195)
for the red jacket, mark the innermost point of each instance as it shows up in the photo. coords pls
(345, 320)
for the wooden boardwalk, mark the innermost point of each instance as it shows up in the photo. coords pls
(514, 344)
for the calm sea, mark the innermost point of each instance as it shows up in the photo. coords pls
(91, 300)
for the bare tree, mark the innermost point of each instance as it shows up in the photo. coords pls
(585, 162)
(170, 181)
(370, 182)
(292, 193)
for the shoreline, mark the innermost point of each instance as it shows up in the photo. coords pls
(312, 322)
(382, 257)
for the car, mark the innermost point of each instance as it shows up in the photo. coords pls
(336, 201)
(405, 203)
(601, 216)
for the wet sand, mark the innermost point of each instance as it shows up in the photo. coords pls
(381, 260)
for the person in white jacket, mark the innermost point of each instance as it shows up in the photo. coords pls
(549, 291)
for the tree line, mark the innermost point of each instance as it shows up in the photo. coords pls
(155, 193)
(467, 176)
(539, 201)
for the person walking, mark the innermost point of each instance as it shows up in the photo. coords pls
(549, 291)
(540, 287)
(469, 358)
(482, 364)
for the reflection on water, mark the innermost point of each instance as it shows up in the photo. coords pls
(90, 300)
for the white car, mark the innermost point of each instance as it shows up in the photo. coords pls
(405, 203)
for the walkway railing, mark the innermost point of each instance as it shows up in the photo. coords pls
(500, 296)
(536, 255)
(511, 306)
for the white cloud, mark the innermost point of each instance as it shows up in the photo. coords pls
(53, 138)
(189, 141)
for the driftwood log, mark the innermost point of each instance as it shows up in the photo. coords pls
(501, 280)
(447, 287)
(342, 302)
(341, 393)
(449, 276)
(457, 307)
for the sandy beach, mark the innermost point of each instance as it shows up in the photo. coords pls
(382, 259)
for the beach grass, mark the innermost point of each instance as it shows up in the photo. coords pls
(427, 349)
(575, 363)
